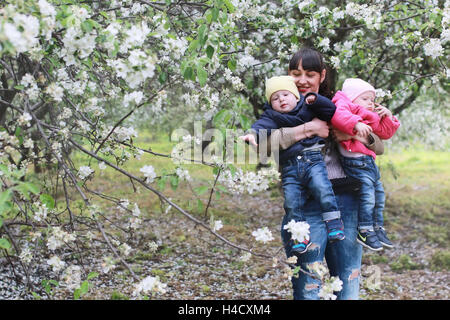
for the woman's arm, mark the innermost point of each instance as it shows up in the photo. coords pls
(372, 141)
(288, 136)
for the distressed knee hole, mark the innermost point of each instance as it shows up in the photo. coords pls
(354, 274)
(311, 286)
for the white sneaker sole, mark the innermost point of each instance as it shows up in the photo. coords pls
(365, 245)
(390, 246)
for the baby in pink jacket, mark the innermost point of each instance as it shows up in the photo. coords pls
(357, 113)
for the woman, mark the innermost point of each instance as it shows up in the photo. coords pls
(343, 257)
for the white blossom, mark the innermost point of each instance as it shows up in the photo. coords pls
(26, 255)
(56, 263)
(125, 249)
(327, 290)
(108, 264)
(58, 238)
(46, 9)
(41, 213)
(149, 173)
(433, 48)
(263, 234)
(55, 91)
(183, 174)
(84, 172)
(217, 225)
(135, 96)
(152, 246)
(299, 230)
(149, 285)
(24, 120)
(72, 277)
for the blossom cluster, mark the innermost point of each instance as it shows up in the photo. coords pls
(239, 181)
(299, 230)
(149, 285)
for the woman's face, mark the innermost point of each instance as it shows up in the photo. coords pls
(307, 80)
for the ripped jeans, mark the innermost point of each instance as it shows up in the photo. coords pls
(343, 257)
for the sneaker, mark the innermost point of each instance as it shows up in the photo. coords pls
(335, 229)
(369, 240)
(382, 237)
(301, 247)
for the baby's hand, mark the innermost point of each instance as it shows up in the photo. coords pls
(363, 129)
(310, 99)
(382, 111)
(250, 138)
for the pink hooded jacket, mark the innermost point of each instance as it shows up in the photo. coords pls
(348, 114)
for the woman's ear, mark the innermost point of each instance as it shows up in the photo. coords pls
(323, 75)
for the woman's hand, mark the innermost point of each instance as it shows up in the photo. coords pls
(342, 136)
(316, 127)
(362, 129)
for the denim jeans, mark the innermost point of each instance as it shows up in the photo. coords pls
(372, 198)
(343, 258)
(305, 176)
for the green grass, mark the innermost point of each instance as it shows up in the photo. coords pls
(417, 186)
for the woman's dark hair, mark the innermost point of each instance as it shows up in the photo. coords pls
(312, 60)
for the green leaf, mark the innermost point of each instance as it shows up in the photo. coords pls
(202, 34)
(19, 135)
(229, 6)
(4, 244)
(5, 196)
(36, 296)
(86, 26)
(174, 180)
(193, 45)
(202, 75)
(215, 14)
(232, 64)
(222, 117)
(221, 188)
(209, 51)
(245, 122)
(47, 200)
(161, 183)
(84, 287)
(199, 205)
(104, 14)
(77, 294)
(201, 190)
(92, 275)
(189, 74)
(31, 187)
(162, 77)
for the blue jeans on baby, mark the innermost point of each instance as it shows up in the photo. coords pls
(372, 197)
(309, 178)
(343, 257)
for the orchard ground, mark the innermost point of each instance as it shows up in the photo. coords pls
(196, 265)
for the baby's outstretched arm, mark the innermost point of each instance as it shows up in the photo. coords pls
(249, 138)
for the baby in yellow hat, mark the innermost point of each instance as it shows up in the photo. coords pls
(303, 168)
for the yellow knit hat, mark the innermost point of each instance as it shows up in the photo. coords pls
(275, 84)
